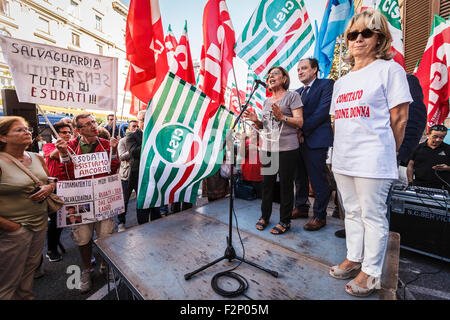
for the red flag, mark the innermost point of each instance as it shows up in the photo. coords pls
(145, 48)
(434, 72)
(217, 51)
(171, 44)
(136, 105)
(234, 101)
(182, 65)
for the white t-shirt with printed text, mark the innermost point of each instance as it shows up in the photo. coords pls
(364, 144)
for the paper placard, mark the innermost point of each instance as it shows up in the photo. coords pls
(89, 200)
(90, 164)
(54, 76)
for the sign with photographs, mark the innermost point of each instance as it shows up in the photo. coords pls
(89, 200)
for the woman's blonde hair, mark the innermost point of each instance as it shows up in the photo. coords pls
(6, 123)
(378, 23)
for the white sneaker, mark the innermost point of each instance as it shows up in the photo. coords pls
(86, 282)
(121, 227)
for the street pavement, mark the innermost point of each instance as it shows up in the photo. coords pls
(420, 277)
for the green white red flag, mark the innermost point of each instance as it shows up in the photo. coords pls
(434, 70)
(182, 64)
(181, 144)
(257, 100)
(278, 33)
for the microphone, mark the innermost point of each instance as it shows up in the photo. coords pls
(261, 83)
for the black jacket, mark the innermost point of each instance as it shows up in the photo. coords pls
(134, 143)
(417, 120)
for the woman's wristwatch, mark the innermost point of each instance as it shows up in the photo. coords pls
(52, 180)
(285, 119)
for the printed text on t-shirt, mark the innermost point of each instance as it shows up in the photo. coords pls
(355, 112)
(351, 112)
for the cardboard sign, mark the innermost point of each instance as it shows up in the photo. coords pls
(54, 76)
(89, 200)
(90, 164)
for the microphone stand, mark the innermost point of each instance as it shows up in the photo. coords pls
(230, 253)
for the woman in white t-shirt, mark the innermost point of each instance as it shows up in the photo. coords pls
(370, 109)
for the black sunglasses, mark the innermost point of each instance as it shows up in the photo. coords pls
(366, 33)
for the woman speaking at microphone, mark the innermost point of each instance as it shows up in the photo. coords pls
(282, 111)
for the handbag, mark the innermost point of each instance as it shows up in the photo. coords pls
(244, 191)
(53, 201)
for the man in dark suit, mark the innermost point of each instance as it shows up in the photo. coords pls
(417, 120)
(317, 137)
(134, 144)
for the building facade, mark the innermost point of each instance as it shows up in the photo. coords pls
(93, 26)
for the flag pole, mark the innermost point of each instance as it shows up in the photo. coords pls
(238, 95)
(340, 55)
(51, 126)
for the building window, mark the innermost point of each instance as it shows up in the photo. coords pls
(98, 23)
(75, 39)
(4, 7)
(74, 9)
(43, 25)
(100, 49)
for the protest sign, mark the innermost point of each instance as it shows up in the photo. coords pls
(90, 164)
(89, 200)
(54, 76)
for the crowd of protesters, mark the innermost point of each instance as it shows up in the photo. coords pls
(362, 117)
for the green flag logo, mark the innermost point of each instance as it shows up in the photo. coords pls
(279, 12)
(177, 144)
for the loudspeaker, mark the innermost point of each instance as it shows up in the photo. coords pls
(12, 107)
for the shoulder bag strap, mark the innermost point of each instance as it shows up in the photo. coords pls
(21, 166)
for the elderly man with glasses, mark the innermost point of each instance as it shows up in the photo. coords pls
(430, 163)
(88, 142)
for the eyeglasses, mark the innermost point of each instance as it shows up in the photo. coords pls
(366, 33)
(274, 73)
(89, 124)
(438, 127)
(24, 130)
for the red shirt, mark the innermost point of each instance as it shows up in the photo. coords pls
(55, 167)
(251, 172)
(102, 146)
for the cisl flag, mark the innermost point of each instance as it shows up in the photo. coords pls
(391, 10)
(278, 33)
(434, 71)
(182, 64)
(181, 144)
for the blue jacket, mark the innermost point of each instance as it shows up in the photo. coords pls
(316, 114)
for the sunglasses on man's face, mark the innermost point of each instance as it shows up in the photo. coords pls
(366, 33)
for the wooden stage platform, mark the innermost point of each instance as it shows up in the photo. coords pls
(153, 258)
